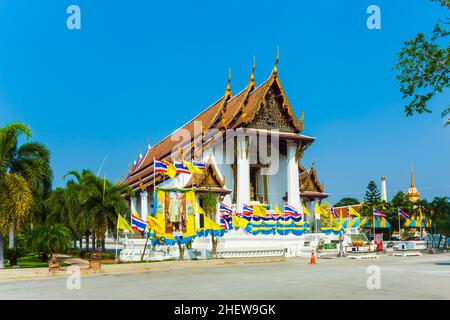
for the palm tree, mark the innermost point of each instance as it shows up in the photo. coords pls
(49, 239)
(94, 204)
(210, 201)
(31, 161)
(20, 170)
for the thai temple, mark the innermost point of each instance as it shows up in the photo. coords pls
(250, 144)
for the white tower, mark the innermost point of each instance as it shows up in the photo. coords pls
(383, 189)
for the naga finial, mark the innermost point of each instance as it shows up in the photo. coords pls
(275, 70)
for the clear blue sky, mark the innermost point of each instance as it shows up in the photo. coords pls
(137, 70)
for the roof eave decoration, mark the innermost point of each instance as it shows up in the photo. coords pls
(310, 180)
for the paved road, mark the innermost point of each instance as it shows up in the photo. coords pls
(426, 277)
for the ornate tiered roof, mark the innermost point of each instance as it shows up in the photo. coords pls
(242, 110)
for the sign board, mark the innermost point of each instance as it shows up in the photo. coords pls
(379, 241)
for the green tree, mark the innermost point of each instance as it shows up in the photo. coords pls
(31, 161)
(372, 196)
(423, 66)
(48, 239)
(346, 202)
(210, 202)
(93, 204)
(16, 194)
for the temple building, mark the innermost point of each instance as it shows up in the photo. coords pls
(412, 194)
(252, 145)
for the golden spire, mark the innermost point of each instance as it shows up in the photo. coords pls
(412, 177)
(413, 194)
(275, 70)
(228, 91)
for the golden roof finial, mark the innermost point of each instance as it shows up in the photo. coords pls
(412, 176)
(275, 70)
(252, 75)
(229, 80)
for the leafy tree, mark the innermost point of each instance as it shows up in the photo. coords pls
(16, 172)
(92, 205)
(346, 202)
(372, 195)
(210, 202)
(423, 65)
(49, 239)
(30, 161)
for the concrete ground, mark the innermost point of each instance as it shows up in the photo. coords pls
(425, 277)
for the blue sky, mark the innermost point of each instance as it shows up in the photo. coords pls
(138, 70)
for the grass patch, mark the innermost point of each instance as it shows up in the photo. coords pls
(29, 261)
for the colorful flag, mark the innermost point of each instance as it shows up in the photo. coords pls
(160, 166)
(181, 168)
(290, 211)
(353, 212)
(171, 170)
(378, 213)
(156, 225)
(334, 213)
(239, 222)
(191, 168)
(137, 223)
(278, 211)
(122, 224)
(225, 210)
(224, 223)
(247, 210)
(320, 210)
(199, 164)
(403, 214)
(306, 211)
(259, 211)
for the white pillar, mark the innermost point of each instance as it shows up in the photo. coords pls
(383, 189)
(133, 202)
(243, 174)
(293, 186)
(144, 205)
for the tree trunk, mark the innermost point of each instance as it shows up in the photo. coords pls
(214, 246)
(87, 242)
(2, 262)
(103, 245)
(94, 242)
(11, 236)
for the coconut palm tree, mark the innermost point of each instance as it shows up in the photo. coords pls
(21, 170)
(210, 201)
(30, 161)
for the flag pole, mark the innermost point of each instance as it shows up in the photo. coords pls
(398, 216)
(117, 241)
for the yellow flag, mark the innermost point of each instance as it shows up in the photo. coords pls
(239, 222)
(156, 225)
(192, 169)
(122, 224)
(171, 170)
(353, 212)
(210, 224)
(278, 211)
(306, 211)
(318, 209)
(259, 211)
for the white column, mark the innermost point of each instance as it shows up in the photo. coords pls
(243, 174)
(133, 207)
(144, 205)
(383, 189)
(293, 186)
